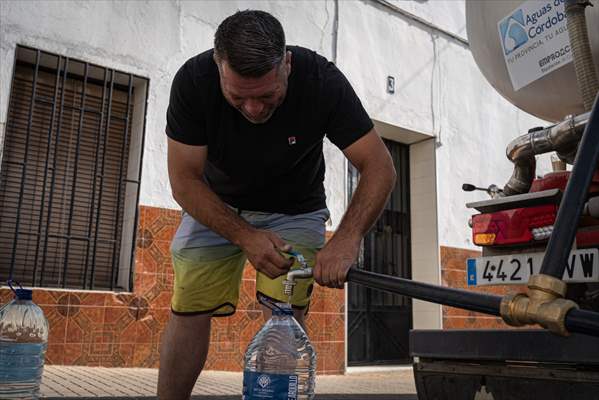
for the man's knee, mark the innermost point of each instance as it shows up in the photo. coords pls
(188, 325)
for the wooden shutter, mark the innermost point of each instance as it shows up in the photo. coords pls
(63, 174)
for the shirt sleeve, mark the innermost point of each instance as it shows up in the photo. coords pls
(348, 121)
(185, 121)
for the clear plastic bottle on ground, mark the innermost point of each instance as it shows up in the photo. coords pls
(23, 342)
(280, 362)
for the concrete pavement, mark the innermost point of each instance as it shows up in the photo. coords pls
(60, 382)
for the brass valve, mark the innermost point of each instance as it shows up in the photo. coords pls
(544, 304)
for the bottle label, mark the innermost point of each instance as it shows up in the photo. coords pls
(264, 386)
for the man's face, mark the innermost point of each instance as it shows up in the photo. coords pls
(255, 98)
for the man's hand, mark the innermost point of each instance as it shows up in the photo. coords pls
(334, 260)
(377, 178)
(263, 250)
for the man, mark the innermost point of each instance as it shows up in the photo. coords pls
(245, 127)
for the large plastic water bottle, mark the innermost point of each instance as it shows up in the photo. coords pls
(280, 362)
(23, 342)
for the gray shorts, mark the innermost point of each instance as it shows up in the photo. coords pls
(306, 230)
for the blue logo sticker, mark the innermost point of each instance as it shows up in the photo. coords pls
(513, 34)
(265, 386)
(471, 272)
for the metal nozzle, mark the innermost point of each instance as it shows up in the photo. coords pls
(290, 282)
(304, 272)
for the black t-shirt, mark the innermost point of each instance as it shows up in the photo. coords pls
(277, 166)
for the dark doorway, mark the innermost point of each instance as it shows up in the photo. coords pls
(379, 322)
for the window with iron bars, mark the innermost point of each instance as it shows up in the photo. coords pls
(70, 172)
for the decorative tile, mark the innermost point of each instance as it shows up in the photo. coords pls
(73, 353)
(63, 304)
(144, 239)
(323, 350)
(44, 297)
(123, 357)
(6, 295)
(92, 299)
(249, 272)
(118, 299)
(474, 323)
(163, 228)
(455, 258)
(315, 327)
(57, 324)
(335, 362)
(225, 356)
(145, 356)
(83, 323)
(121, 321)
(335, 327)
(55, 354)
(253, 325)
(160, 256)
(454, 279)
(125, 329)
(247, 296)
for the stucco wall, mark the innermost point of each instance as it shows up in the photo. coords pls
(439, 90)
(151, 39)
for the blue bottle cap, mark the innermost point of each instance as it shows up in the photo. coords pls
(282, 309)
(24, 294)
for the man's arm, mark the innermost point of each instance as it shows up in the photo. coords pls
(185, 169)
(377, 179)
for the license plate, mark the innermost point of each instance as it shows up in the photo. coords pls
(515, 269)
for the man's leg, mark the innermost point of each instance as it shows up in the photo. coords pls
(182, 355)
(206, 284)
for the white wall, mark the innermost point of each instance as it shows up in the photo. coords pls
(151, 39)
(439, 90)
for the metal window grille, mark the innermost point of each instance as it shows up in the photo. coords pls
(64, 173)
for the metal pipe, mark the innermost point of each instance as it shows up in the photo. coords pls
(577, 321)
(47, 161)
(24, 166)
(582, 58)
(63, 89)
(139, 170)
(74, 178)
(566, 223)
(103, 164)
(113, 267)
(95, 177)
(562, 137)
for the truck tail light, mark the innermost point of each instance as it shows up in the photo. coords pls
(516, 226)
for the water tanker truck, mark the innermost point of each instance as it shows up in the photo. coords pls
(538, 232)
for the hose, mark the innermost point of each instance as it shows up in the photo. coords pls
(586, 76)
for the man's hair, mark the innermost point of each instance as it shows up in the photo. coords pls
(252, 42)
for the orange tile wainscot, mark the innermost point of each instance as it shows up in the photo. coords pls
(124, 329)
(453, 274)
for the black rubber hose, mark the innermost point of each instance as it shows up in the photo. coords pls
(577, 321)
(583, 321)
(570, 209)
(480, 302)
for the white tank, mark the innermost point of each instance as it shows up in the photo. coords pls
(523, 50)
